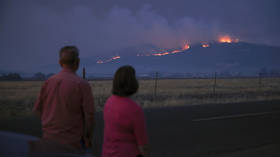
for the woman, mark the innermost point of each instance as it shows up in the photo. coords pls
(125, 129)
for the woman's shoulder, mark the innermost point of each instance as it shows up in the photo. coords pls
(124, 101)
(114, 99)
(136, 107)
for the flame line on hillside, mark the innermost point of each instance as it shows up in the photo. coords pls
(109, 60)
(186, 46)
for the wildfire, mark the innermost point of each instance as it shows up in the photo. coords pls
(175, 51)
(164, 51)
(186, 46)
(160, 54)
(205, 45)
(109, 60)
(227, 39)
(116, 57)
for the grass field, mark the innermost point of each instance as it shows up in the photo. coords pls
(182, 136)
(18, 97)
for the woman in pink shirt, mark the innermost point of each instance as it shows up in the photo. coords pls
(125, 129)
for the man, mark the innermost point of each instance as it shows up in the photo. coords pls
(65, 104)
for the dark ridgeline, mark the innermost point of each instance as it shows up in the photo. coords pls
(225, 59)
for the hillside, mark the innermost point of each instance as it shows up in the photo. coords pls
(233, 58)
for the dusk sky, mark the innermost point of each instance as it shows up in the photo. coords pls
(32, 31)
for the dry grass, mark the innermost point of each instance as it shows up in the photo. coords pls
(17, 98)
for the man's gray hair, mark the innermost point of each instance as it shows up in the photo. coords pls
(68, 55)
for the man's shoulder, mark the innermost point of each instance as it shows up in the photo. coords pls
(73, 78)
(50, 79)
(78, 79)
(84, 83)
(54, 76)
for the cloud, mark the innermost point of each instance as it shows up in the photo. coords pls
(121, 28)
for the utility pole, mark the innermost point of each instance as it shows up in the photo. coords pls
(84, 73)
(215, 83)
(155, 89)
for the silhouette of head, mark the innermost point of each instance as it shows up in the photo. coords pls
(69, 57)
(125, 82)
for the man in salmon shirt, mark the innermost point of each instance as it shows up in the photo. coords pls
(65, 104)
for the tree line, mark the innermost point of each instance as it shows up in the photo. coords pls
(17, 77)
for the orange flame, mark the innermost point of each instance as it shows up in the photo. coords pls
(227, 39)
(176, 51)
(160, 54)
(186, 46)
(109, 60)
(205, 45)
(116, 57)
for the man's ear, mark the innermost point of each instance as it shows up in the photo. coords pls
(77, 63)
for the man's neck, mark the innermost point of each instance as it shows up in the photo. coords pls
(68, 69)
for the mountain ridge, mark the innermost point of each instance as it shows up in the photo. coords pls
(238, 57)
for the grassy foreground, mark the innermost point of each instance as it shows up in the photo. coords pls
(18, 97)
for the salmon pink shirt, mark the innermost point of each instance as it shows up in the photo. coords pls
(64, 100)
(125, 128)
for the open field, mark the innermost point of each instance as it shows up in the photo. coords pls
(18, 97)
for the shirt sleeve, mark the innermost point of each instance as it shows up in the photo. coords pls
(140, 130)
(40, 99)
(87, 100)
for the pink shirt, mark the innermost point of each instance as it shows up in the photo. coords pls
(63, 102)
(125, 128)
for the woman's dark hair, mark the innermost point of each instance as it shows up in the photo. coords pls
(125, 82)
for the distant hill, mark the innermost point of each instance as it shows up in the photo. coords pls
(239, 57)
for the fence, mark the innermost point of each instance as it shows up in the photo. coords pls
(157, 89)
(18, 97)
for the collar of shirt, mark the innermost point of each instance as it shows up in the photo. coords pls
(68, 70)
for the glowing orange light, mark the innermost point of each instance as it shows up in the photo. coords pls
(160, 54)
(116, 57)
(109, 60)
(205, 45)
(227, 39)
(176, 51)
(186, 46)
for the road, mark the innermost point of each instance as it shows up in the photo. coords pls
(217, 130)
